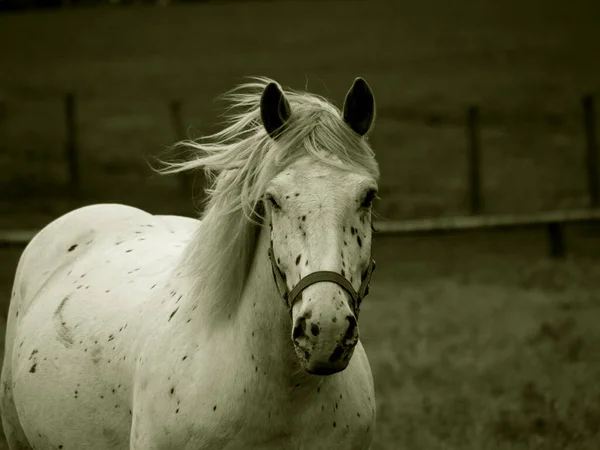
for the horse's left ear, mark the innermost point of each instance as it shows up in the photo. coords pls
(274, 110)
(359, 107)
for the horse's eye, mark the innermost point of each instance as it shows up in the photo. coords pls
(273, 202)
(368, 200)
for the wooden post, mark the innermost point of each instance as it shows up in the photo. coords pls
(177, 122)
(474, 160)
(589, 123)
(3, 107)
(556, 238)
(71, 151)
(176, 119)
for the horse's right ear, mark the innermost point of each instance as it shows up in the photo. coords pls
(274, 110)
(359, 107)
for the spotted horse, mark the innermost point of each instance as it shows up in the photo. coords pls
(128, 330)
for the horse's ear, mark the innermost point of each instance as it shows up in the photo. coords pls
(359, 107)
(274, 110)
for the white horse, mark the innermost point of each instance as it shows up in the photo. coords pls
(133, 331)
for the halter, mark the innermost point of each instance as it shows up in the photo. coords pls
(289, 297)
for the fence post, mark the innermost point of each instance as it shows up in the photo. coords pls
(589, 123)
(474, 160)
(177, 123)
(71, 151)
(556, 238)
(3, 107)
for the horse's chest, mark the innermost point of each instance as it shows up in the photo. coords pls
(226, 399)
(252, 414)
(308, 426)
(298, 418)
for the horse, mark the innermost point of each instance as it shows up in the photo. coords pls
(237, 330)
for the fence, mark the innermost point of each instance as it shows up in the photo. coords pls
(472, 122)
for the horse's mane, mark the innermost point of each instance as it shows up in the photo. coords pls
(240, 161)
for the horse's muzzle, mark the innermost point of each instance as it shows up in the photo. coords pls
(325, 350)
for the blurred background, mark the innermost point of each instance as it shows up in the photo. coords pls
(478, 339)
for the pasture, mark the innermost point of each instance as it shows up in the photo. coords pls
(478, 342)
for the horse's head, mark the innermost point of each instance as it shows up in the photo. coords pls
(320, 229)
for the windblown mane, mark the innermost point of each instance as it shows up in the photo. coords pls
(240, 161)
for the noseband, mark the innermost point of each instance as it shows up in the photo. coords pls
(289, 297)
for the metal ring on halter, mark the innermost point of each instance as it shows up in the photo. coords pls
(289, 297)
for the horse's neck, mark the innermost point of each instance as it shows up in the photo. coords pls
(258, 327)
(263, 322)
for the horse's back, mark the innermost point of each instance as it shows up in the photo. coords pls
(63, 240)
(77, 278)
(96, 228)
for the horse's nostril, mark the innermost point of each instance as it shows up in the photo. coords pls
(299, 329)
(351, 320)
(352, 331)
(314, 329)
(337, 353)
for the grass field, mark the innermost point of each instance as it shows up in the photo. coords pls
(477, 341)
(125, 64)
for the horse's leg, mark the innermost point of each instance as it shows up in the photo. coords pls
(15, 436)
